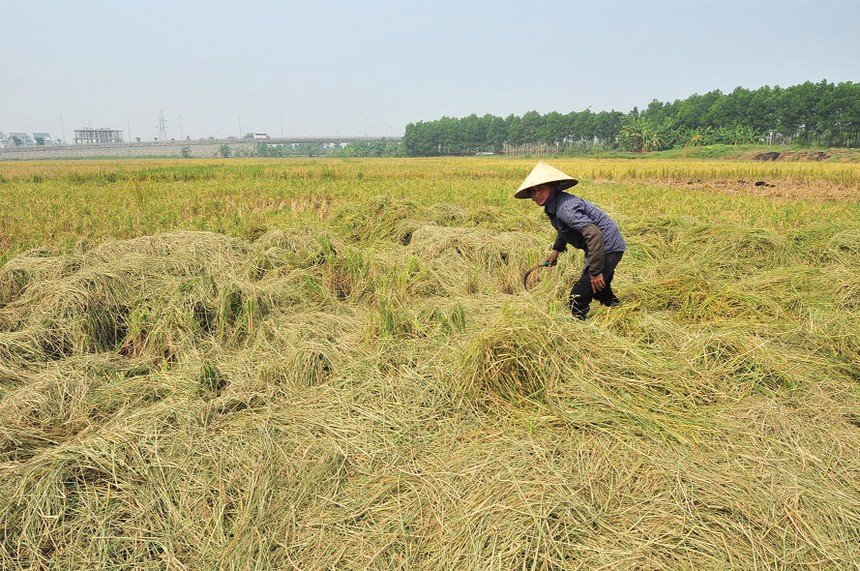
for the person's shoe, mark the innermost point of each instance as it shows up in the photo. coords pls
(612, 302)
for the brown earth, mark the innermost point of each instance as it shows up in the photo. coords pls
(837, 155)
(815, 190)
(792, 156)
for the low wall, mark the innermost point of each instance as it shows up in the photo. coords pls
(198, 149)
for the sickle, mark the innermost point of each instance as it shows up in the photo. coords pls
(530, 270)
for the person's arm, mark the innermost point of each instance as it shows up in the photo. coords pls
(559, 246)
(596, 252)
(573, 214)
(596, 256)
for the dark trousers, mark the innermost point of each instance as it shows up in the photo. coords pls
(581, 293)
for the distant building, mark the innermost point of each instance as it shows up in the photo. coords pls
(21, 140)
(10, 140)
(43, 138)
(97, 136)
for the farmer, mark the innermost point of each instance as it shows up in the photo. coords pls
(581, 225)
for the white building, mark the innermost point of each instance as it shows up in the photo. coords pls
(43, 138)
(11, 140)
(21, 140)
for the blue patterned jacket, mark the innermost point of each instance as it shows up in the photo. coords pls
(584, 226)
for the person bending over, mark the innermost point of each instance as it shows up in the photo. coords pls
(582, 225)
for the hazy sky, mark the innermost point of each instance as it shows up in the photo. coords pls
(320, 67)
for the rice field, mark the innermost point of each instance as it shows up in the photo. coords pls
(332, 364)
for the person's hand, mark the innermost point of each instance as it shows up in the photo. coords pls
(552, 259)
(597, 283)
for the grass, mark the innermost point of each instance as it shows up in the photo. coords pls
(725, 152)
(318, 364)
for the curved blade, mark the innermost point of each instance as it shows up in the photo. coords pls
(527, 274)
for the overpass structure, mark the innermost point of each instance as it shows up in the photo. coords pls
(199, 148)
(324, 140)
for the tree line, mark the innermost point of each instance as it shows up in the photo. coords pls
(809, 114)
(377, 148)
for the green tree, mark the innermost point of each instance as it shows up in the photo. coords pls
(531, 125)
(497, 134)
(514, 127)
(553, 130)
(812, 113)
(474, 134)
(607, 126)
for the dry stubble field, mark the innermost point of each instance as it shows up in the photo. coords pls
(331, 364)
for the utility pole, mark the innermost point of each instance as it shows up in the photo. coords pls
(162, 126)
(181, 134)
(282, 124)
(128, 127)
(63, 127)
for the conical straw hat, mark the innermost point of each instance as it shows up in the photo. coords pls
(542, 174)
